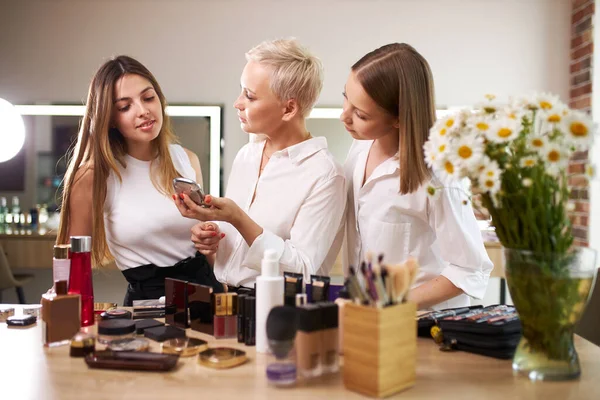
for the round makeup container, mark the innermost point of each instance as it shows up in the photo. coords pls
(115, 329)
(115, 313)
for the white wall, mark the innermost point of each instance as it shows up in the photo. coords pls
(50, 49)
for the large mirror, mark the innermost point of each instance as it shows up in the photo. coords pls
(35, 174)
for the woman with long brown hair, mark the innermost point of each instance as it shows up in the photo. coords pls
(389, 109)
(118, 185)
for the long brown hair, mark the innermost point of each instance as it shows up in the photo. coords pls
(99, 147)
(399, 80)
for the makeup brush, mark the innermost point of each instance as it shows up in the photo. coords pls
(412, 265)
(282, 325)
(399, 281)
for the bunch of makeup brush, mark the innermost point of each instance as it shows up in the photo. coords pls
(381, 285)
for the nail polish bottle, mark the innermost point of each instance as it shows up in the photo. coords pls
(225, 315)
(308, 340)
(329, 337)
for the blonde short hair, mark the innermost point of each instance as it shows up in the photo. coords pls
(297, 74)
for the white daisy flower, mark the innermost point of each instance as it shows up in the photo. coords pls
(467, 151)
(449, 170)
(490, 105)
(430, 154)
(552, 116)
(555, 158)
(491, 170)
(514, 113)
(489, 184)
(504, 130)
(449, 123)
(433, 192)
(547, 102)
(524, 102)
(590, 171)
(439, 131)
(537, 143)
(479, 124)
(578, 128)
(528, 162)
(527, 182)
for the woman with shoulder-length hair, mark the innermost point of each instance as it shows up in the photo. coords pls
(118, 184)
(389, 109)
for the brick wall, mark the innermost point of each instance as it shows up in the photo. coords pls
(582, 47)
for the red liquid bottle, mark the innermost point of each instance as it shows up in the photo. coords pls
(80, 278)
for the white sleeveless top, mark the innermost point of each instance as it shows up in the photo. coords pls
(142, 225)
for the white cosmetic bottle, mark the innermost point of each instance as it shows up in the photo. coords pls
(269, 294)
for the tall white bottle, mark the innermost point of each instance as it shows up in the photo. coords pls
(269, 294)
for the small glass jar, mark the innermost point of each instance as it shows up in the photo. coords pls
(82, 344)
(115, 329)
(281, 363)
(130, 345)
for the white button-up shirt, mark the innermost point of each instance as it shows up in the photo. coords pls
(440, 232)
(299, 203)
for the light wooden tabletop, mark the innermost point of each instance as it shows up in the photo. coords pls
(30, 371)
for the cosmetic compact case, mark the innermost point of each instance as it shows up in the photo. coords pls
(426, 321)
(493, 331)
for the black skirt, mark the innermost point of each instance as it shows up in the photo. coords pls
(147, 282)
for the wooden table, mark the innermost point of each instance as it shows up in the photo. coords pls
(31, 371)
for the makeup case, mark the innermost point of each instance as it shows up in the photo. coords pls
(492, 331)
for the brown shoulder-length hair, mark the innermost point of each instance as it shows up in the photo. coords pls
(399, 80)
(99, 147)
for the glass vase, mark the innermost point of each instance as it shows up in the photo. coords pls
(550, 293)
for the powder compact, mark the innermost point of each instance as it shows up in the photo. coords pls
(184, 347)
(222, 357)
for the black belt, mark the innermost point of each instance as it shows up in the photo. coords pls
(148, 281)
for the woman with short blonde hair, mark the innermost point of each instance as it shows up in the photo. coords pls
(285, 190)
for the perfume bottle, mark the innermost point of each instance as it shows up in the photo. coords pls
(60, 315)
(61, 264)
(80, 277)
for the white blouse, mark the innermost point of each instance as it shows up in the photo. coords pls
(299, 203)
(440, 232)
(142, 225)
